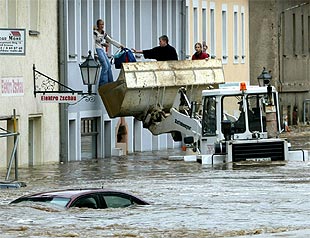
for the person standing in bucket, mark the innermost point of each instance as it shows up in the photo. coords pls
(162, 52)
(102, 40)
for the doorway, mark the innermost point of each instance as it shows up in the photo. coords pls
(89, 138)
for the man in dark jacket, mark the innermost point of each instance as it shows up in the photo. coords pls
(162, 52)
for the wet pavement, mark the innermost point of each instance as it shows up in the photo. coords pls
(187, 199)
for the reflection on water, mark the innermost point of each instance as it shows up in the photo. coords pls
(187, 199)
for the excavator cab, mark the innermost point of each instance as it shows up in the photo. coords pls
(235, 120)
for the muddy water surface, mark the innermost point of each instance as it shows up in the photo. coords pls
(187, 199)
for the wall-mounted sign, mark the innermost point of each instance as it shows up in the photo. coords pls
(12, 41)
(13, 86)
(60, 97)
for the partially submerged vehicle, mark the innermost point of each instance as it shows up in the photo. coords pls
(189, 99)
(84, 198)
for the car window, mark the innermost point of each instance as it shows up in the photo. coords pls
(86, 201)
(60, 201)
(114, 201)
(54, 200)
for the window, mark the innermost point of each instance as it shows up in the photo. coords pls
(86, 201)
(224, 34)
(242, 36)
(84, 29)
(165, 17)
(72, 29)
(204, 23)
(188, 48)
(60, 201)
(53, 200)
(212, 30)
(96, 11)
(114, 201)
(246, 112)
(209, 117)
(309, 34)
(302, 35)
(137, 21)
(123, 27)
(294, 34)
(175, 12)
(34, 15)
(195, 12)
(130, 23)
(236, 35)
(256, 113)
(11, 13)
(234, 111)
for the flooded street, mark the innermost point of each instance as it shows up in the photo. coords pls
(187, 199)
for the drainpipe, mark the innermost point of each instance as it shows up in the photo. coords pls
(62, 59)
(183, 29)
(280, 51)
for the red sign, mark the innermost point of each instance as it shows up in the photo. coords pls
(12, 86)
(60, 98)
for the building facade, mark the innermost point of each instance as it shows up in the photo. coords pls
(280, 41)
(138, 24)
(224, 26)
(27, 38)
(84, 130)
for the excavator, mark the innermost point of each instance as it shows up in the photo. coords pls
(219, 122)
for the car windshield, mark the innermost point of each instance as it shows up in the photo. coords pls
(53, 200)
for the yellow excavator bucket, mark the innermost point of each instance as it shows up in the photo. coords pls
(143, 86)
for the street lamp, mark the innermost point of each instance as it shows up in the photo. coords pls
(90, 72)
(264, 78)
(51, 93)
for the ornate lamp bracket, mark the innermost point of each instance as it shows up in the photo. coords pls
(45, 85)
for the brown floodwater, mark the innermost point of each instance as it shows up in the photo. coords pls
(187, 199)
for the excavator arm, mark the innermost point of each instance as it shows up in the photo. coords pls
(160, 93)
(182, 118)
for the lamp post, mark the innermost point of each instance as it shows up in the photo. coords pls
(90, 72)
(264, 78)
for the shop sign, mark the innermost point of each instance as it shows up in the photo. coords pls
(60, 97)
(12, 86)
(12, 41)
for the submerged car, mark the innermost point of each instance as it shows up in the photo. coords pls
(89, 198)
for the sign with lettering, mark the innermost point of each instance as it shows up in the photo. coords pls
(13, 86)
(12, 41)
(60, 97)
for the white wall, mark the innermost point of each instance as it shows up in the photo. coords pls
(41, 50)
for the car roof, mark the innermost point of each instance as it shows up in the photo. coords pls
(72, 193)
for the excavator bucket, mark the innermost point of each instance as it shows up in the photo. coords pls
(144, 86)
